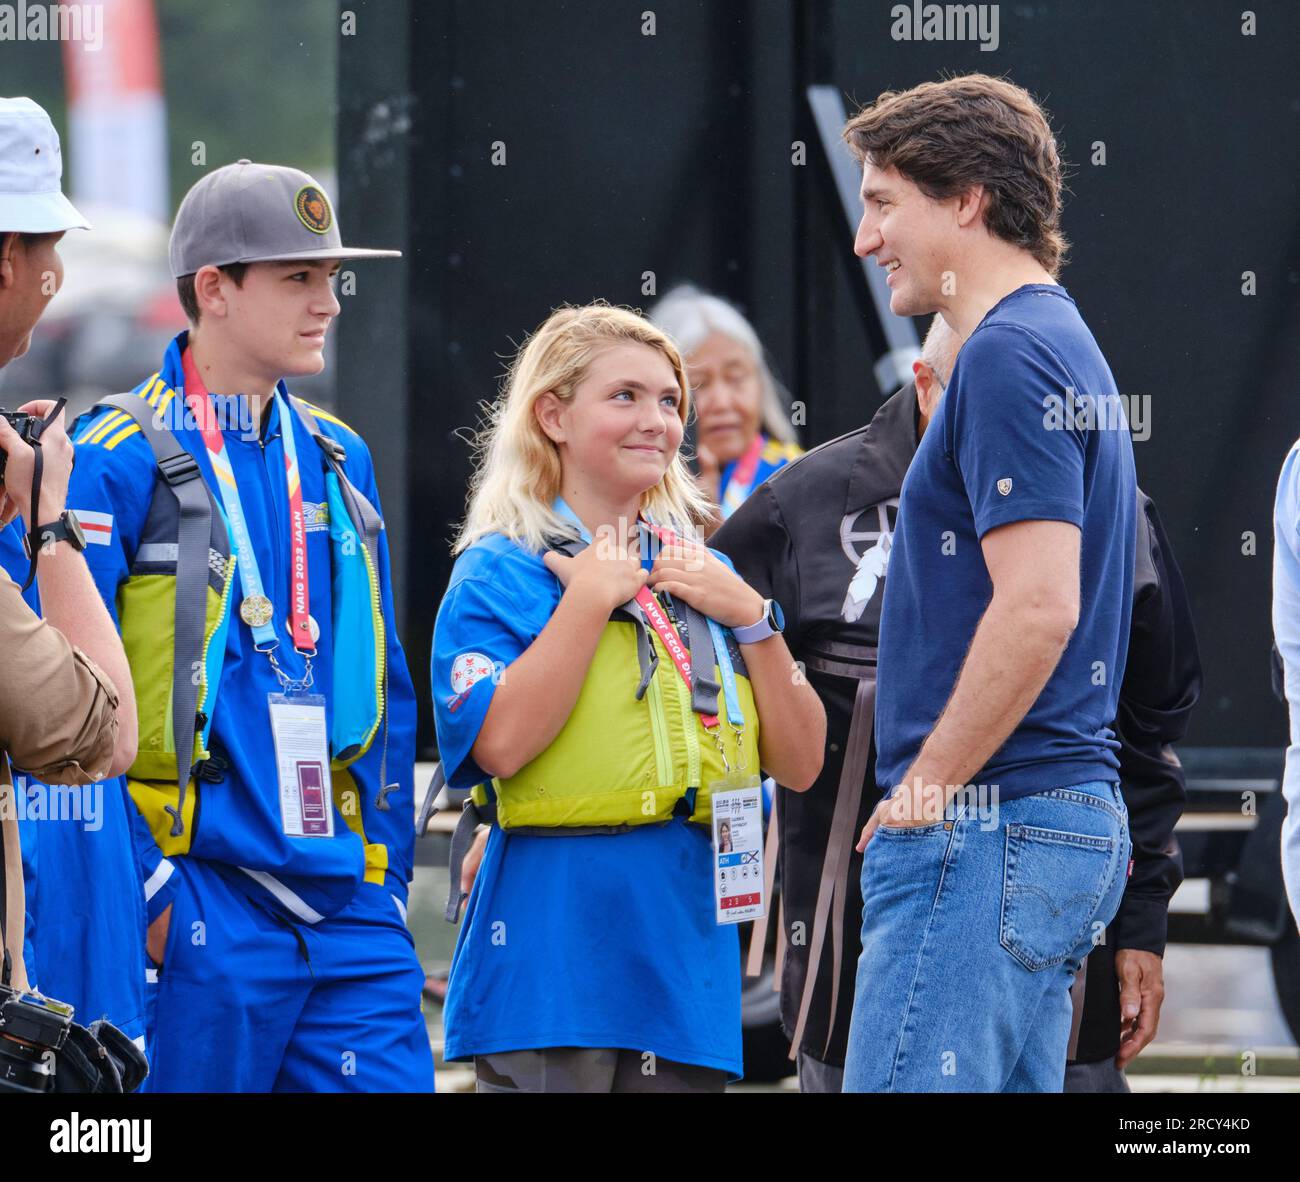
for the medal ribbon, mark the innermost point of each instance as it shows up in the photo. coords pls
(199, 402)
(671, 638)
(742, 476)
(672, 642)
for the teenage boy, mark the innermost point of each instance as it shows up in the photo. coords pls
(1002, 849)
(241, 548)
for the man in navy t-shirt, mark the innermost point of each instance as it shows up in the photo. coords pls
(1002, 850)
(997, 459)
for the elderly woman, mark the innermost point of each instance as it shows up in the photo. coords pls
(744, 432)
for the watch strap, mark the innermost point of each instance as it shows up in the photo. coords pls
(753, 633)
(57, 530)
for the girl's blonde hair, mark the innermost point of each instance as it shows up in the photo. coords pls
(517, 465)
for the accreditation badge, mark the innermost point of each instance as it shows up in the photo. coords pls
(303, 763)
(737, 803)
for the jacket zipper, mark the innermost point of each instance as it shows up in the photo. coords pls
(683, 698)
(207, 644)
(381, 640)
(659, 729)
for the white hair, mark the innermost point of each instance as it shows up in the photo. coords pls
(690, 316)
(940, 349)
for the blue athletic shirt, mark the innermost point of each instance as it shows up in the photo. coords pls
(590, 941)
(237, 825)
(1005, 446)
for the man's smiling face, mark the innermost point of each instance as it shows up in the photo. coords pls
(911, 235)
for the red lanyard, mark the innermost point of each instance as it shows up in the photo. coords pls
(672, 640)
(742, 475)
(744, 470)
(200, 403)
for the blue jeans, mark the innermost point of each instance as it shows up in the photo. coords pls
(971, 937)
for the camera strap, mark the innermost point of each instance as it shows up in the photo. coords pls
(38, 464)
(12, 899)
(6, 961)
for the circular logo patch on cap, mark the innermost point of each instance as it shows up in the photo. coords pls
(313, 209)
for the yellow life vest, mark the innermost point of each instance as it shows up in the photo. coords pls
(623, 760)
(174, 612)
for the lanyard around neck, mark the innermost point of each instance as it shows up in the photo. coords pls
(256, 609)
(671, 638)
(677, 651)
(742, 476)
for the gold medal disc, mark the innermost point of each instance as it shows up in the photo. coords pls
(256, 611)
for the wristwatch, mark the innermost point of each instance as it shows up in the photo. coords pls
(65, 529)
(770, 623)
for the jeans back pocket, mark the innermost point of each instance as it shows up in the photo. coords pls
(1053, 882)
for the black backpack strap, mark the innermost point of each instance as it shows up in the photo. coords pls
(704, 688)
(180, 472)
(647, 658)
(438, 798)
(7, 825)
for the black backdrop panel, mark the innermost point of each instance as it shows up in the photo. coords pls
(626, 153)
(1201, 127)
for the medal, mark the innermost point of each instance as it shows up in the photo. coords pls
(256, 611)
(312, 628)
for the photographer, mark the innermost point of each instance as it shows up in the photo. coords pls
(67, 709)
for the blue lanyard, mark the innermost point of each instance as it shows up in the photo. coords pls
(735, 715)
(256, 608)
(250, 578)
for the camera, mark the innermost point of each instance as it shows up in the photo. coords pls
(33, 1030)
(26, 426)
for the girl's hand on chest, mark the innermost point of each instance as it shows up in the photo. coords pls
(692, 573)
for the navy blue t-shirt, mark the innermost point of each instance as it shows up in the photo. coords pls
(1031, 428)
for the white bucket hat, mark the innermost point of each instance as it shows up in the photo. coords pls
(31, 172)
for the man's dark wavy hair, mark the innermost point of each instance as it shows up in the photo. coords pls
(947, 136)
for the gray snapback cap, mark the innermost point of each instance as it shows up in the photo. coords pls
(258, 213)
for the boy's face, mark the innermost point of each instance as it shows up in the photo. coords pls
(278, 318)
(30, 274)
(911, 234)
